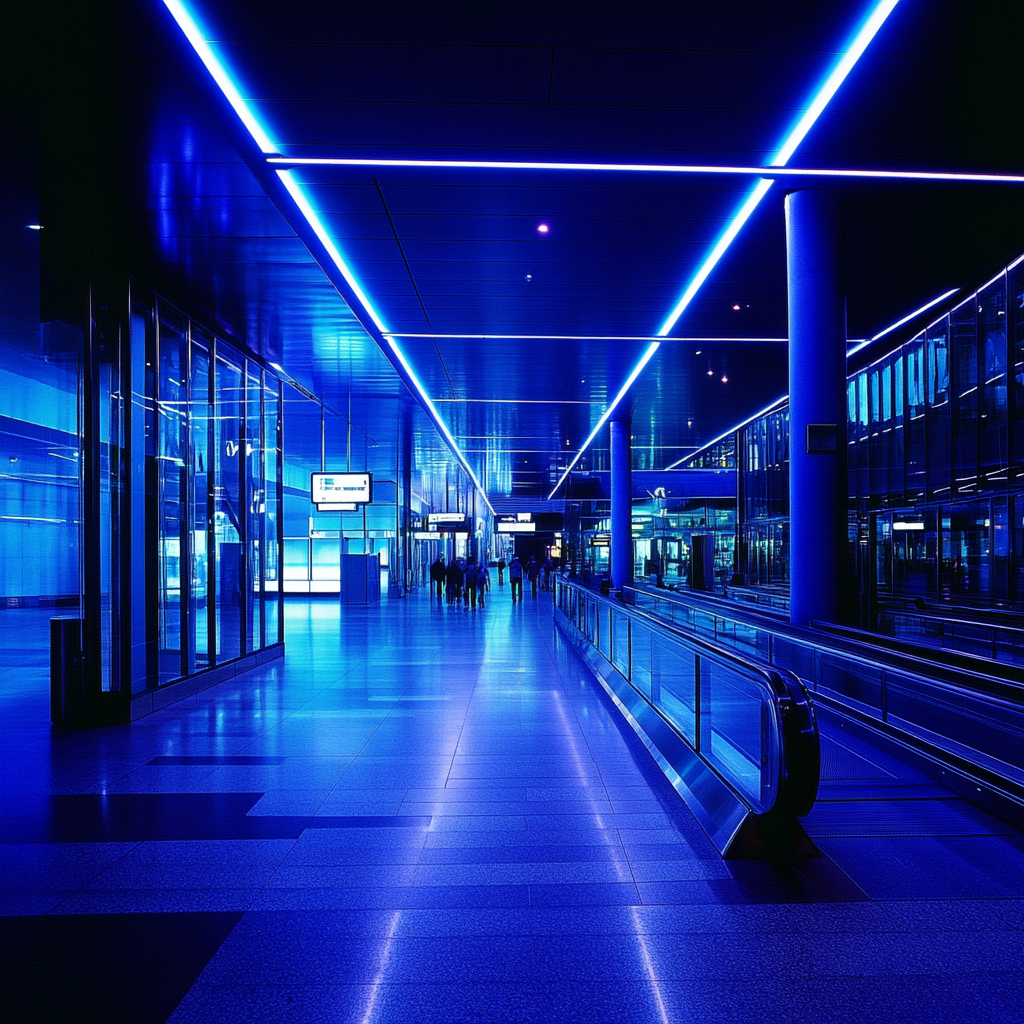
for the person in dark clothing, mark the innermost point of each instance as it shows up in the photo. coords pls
(437, 576)
(515, 578)
(547, 569)
(472, 576)
(532, 573)
(453, 580)
(501, 572)
(483, 583)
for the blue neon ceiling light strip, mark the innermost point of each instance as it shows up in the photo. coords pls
(227, 86)
(796, 135)
(220, 75)
(906, 319)
(540, 165)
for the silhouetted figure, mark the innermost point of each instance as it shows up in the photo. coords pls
(437, 574)
(453, 581)
(533, 573)
(515, 578)
(501, 572)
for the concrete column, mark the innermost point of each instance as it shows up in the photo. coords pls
(815, 258)
(622, 501)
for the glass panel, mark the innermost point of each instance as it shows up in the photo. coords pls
(970, 549)
(640, 658)
(738, 732)
(296, 558)
(620, 642)
(271, 463)
(964, 339)
(938, 430)
(916, 456)
(994, 421)
(673, 686)
(199, 410)
(256, 521)
(1015, 344)
(227, 506)
(172, 494)
(326, 559)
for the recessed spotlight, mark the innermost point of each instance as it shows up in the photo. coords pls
(543, 229)
(698, 352)
(34, 227)
(725, 379)
(529, 277)
(711, 372)
(735, 305)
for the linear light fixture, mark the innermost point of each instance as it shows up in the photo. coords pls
(227, 86)
(732, 430)
(637, 370)
(573, 337)
(901, 322)
(766, 171)
(220, 74)
(796, 135)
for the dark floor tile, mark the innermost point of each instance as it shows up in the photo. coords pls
(106, 967)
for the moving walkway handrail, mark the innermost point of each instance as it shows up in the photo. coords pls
(968, 721)
(724, 682)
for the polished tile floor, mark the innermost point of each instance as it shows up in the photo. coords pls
(429, 814)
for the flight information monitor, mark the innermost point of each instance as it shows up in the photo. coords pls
(341, 488)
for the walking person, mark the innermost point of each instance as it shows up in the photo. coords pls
(547, 569)
(472, 575)
(483, 583)
(453, 581)
(437, 576)
(501, 572)
(515, 578)
(532, 574)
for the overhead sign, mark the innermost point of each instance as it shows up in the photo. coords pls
(426, 535)
(340, 506)
(517, 527)
(521, 522)
(447, 521)
(341, 488)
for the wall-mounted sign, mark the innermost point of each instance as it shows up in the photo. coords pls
(337, 506)
(600, 540)
(341, 488)
(426, 535)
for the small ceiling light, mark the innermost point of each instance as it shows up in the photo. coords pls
(543, 229)
(34, 227)
(689, 423)
(711, 372)
(529, 277)
(725, 379)
(735, 305)
(698, 352)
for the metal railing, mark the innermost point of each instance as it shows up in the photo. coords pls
(987, 640)
(973, 722)
(749, 723)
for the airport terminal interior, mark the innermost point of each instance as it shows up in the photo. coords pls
(512, 512)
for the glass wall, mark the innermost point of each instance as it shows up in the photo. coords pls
(935, 443)
(200, 508)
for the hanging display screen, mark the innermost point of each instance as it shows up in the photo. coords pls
(341, 488)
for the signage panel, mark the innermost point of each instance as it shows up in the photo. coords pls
(517, 527)
(426, 535)
(336, 488)
(446, 517)
(339, 506)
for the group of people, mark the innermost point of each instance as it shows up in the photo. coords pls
(466, 581)
(462, 581)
